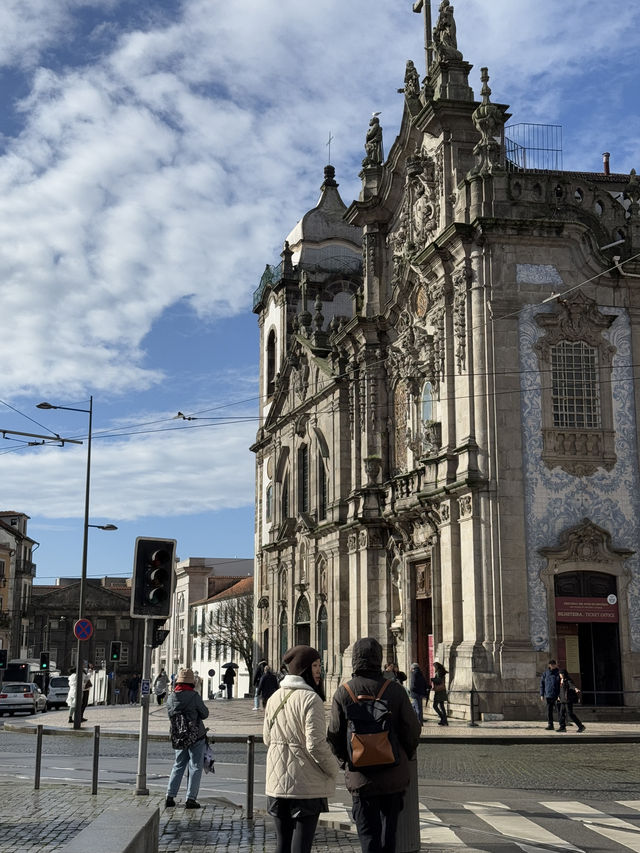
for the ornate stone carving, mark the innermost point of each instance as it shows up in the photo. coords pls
(465, 506)
(369, 253)
(445, 513)
(489, 120)
(411, 87)
(352, 542)
(461, 281)
(586, 542)
(411, 356)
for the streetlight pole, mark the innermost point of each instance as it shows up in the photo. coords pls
(77, 714)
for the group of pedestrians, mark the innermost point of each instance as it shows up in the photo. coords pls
(304, 755)
(419, 691)
(560, 694)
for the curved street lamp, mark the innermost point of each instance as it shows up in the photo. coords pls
(77, 716)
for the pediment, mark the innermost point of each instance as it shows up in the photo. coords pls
(97, 599)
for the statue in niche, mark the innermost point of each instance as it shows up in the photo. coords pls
(373, 143)
(445, 39)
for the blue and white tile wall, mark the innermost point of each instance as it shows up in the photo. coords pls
(555, 500)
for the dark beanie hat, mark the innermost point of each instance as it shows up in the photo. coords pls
(299, 658)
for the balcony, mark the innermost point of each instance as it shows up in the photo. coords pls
(25, 567)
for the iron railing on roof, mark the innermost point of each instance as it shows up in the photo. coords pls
(274, 273)
(533, 146)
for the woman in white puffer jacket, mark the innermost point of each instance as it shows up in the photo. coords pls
(301, 768)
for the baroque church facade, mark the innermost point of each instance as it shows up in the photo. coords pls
(448, 455)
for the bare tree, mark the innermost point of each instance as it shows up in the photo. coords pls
(231, 625)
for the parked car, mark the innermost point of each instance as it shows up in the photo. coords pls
(20, 696)
(58, 691)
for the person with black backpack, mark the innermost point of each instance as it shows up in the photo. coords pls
(373, 731)
(186, 712)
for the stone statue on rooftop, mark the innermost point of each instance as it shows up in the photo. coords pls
(373, 143)
(445, 39)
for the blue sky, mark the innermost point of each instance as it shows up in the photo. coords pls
(153, 156)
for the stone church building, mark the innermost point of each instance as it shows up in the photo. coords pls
(448, 455)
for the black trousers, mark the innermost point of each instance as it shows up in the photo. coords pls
(295, 835)
(376, 819)
(566, 710)
(551, 704)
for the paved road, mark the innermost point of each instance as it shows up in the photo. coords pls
(491, 794)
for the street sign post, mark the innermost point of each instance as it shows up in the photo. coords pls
(82, 629)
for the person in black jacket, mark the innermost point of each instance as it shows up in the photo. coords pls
(550, 690)
(268, 685)
(418, 690)
(257, 675)
(567, 696)
(377, 792)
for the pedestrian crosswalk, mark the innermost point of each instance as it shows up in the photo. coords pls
(549, 826)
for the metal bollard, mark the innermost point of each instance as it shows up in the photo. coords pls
(96, 754)
(36, 785)
(251, 748)
(408, 836)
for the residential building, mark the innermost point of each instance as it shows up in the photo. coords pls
(17, 571)
(448, 451)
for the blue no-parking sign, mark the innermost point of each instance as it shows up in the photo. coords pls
(82, 629)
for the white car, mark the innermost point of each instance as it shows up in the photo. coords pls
(21, 696)
(58, 691)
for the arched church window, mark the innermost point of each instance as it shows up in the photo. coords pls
(284, 498)
(575, 387)
(426, 403)
(322, 489)
(271, 363)
(268, 503)
(303, 622)
(303, 479)
(322, 632)
(283, 629)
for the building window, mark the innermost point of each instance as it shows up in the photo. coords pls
(322, 489)
(322, 641)
(303, 479)
(426, 403)
(101, 624)
(303, 622)
(271, 363)
(1, 568)
(99, 653)
(268, 503)
(284, 633)
(125, 624)
(124, 654)
(284, 499)
(575, 397)
(575, 360)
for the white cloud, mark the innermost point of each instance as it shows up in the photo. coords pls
(175, 164)
(175, 473)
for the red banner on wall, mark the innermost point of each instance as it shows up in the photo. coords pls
(586, 610)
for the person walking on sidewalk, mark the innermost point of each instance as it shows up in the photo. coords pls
(301, 769)
(268, 685)
(439, 684)
(550, 690)
(160, 686)
(567, 695)
(377, 792)
(184, 700)
(418, 690)
(257, 675)
(228, 679)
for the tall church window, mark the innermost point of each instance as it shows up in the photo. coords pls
(400, 415)
(271, 363)
(322, 632)
(303, 622)
(268, 503)
(427, 402)
(322, 489)
(284, 631)
(303, 479)
(284, 499)
(575, 390)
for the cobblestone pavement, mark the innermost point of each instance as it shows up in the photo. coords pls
(47, 819)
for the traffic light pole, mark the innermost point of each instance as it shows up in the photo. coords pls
(141, 778)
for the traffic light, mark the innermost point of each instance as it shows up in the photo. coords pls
(153, 576)
(160, 634)
(44, 661)
(115, 651)
(4, 655)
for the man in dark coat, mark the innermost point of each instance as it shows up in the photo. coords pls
(377, 792)
(228, 678)
(257, 675)
(550, 690)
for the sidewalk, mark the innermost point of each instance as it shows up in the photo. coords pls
(236, 718)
